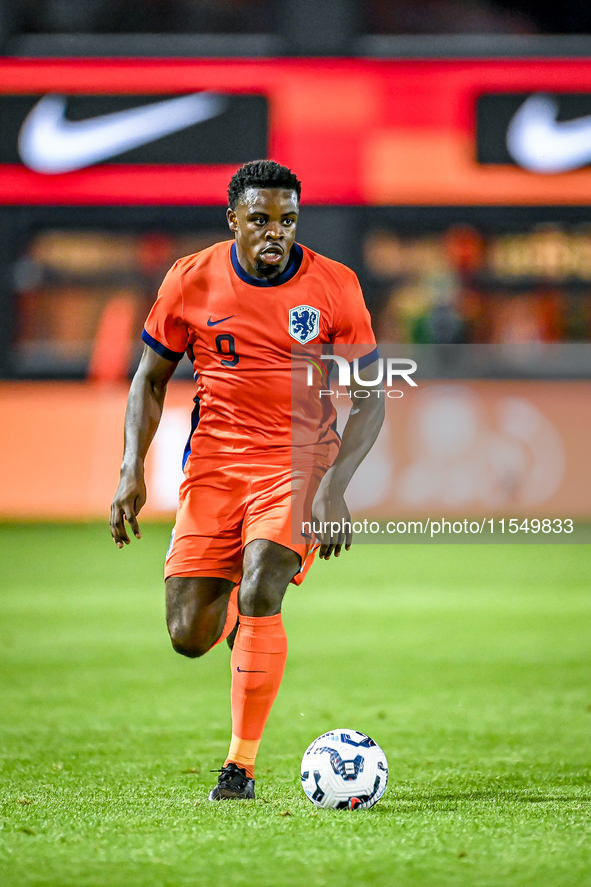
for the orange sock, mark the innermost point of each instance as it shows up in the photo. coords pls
(231, 615)
(258, 662)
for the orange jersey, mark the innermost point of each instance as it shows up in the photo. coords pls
(240, 332)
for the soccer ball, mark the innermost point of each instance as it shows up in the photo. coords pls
(344, 769)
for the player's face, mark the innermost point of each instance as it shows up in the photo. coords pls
(264, 223)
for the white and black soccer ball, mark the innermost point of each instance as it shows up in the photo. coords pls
(344, 769)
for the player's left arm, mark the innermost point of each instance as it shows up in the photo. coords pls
(362, 428)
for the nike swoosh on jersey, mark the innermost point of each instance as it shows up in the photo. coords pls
(248, 671)
(539, 143)
(211, 322)
(49, 143)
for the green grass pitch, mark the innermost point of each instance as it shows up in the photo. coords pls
(469, 665)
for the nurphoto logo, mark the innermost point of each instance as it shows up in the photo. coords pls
(388, 369)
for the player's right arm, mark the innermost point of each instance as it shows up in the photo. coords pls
(142, 417)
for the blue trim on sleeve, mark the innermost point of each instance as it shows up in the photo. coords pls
(367, 359)
(161, 349)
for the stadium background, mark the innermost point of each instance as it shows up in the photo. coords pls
(400, 143)
(471, 668)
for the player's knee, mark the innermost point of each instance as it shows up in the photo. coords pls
(188, 643)
(268, 569)
(258, 602)
(261, 594)
(188, 648)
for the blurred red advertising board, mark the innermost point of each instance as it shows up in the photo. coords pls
(483, 449)
(355, 131)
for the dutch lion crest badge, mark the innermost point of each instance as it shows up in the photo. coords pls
(304, 323)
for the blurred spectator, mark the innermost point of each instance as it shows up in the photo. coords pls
(461, 285)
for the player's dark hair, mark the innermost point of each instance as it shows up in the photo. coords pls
(261, 174)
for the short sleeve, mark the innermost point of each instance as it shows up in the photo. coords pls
(165, 330)
(352, 324)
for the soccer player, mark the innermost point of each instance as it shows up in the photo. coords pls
(237, 309)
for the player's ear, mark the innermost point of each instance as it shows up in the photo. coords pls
(232, 220)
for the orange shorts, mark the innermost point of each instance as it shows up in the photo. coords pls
(224, 504)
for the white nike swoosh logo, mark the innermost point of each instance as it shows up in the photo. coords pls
(48, 143)
(539, 143)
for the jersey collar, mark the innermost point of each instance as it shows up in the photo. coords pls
(293, 266)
